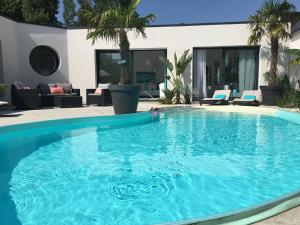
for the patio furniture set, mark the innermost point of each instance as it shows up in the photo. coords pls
(61, 95)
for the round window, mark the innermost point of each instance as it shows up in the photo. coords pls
(44, 60)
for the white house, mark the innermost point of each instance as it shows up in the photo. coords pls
(221, 56)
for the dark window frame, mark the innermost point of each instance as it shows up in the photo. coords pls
(99, 51)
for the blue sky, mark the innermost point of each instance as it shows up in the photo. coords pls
(199, 11)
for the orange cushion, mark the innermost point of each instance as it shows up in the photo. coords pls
(98, 91)
(57, 90)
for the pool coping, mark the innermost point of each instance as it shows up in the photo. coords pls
(249, 215)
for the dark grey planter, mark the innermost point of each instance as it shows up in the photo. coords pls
(271, 94)
(125, 98)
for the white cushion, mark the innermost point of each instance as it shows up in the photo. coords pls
(104, 86)
(3, 103)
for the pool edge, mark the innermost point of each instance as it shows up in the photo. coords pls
(249, 215)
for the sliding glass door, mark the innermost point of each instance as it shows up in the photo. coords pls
(225, 68)
(146, 70)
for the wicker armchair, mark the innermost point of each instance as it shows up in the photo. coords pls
(25, 98)
(96, 99)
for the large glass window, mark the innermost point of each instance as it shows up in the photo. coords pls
(225, 68)
(146, 69)
(109, 67)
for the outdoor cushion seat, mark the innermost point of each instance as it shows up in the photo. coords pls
(220, 97)
(103, 99)
(94, 94)
(47, 99)
(249, 97)
(3, 103)
(66, 86)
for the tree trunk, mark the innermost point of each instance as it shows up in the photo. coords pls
(125, 56)
(274, 59)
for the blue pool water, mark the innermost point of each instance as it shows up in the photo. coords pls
(136, 169)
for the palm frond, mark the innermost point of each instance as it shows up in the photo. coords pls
(183, 62)
(295, 62)
(294, 51)
(176, 65)
(109, 18)
(272, 19)
(167, 63)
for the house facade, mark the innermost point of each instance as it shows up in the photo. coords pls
(35, 54)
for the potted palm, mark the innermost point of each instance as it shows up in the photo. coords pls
(112, 20)
(273, 21)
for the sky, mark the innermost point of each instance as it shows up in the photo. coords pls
(198, 11)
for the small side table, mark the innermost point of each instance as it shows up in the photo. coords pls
(67, 101)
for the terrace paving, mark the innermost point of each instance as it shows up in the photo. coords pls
(291, 217)
(16, 117)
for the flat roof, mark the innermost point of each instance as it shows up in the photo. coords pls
(295, 28)
(154, 25)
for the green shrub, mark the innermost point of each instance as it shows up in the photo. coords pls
(290, 99)
(168, 99)
(2, 89)
(187, 93)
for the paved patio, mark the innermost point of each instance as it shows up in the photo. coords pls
(291, 217)
(16, 117)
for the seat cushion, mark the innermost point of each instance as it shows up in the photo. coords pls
(104, 86)
(66, 86)
(56, 90)
(249, 97)
(20, 86)
(219, 96)
(98, 91)
(45, 88)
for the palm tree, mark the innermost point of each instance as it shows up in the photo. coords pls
(273, 21)
(112, 20)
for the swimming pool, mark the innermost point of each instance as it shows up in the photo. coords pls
(138, 169)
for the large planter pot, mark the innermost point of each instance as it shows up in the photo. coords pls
(271, 94)
(125, 98)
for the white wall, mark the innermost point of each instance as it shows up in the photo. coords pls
(18, 40)
(173, 38)
(29, 36)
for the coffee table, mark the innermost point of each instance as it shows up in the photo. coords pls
(67, 101)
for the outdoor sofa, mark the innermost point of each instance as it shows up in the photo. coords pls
(220, 97)
(60, 98)
(250, 98)
(100, 96)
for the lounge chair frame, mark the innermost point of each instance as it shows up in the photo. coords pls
(216, 101)
(256, 102)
